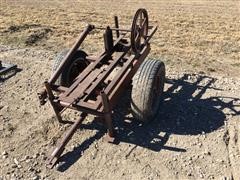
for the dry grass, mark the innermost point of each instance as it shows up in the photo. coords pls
(193, 35)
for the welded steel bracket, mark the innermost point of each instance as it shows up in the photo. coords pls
(110, 136)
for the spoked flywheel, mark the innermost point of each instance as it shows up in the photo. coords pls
(139, 30)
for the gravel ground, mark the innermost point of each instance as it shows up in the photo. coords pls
(194, 136)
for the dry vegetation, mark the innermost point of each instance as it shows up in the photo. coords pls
(199, 35)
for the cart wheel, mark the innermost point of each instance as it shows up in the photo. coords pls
(77, 64)
(139, 30)
(147, 91)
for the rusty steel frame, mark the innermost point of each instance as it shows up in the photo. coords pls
(89, 83)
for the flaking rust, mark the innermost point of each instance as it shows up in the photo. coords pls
(88, 86)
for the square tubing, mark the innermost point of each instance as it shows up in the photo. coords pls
(51, 98)
(116, 26)
(108, 40)
(108, 117)
(60, 148)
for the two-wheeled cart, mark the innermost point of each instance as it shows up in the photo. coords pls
(93, 84)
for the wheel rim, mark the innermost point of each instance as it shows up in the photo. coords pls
(139, 30)
(75, 69)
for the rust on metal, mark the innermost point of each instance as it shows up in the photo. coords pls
(95, 90)
(70, 53)
(60, 148)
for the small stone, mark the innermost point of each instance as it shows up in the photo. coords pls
(31, 169)
(5, 156)
(207, 153)
(26, 157)
(42, 153)
(176, 172)
(37, 170)
(28, 161)
(14, 166)
(189, 174)
(6, 164)
(16, 161)
(35, 155)
(35, 163)
(72, 148)
(4, 153)
(211, 177)
(35, 177)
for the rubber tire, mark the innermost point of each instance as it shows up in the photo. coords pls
(62, 79)
(143, 83)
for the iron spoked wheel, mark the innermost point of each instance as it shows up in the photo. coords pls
(139, 30)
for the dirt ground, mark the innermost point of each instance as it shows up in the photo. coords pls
(196, 132)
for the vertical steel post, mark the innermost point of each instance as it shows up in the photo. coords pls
(108, 116)
(117, 26)
(108, 40)
(51, 98)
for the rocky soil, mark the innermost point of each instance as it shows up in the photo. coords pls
(195, 135)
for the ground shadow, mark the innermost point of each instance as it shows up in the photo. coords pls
(68, 159)
(184, 111)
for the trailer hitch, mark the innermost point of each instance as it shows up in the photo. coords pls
(52, 160)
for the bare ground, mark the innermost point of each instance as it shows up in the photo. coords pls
(196, 133)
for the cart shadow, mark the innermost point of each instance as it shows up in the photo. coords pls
(184, 111)
(188, 111)
(68, 159)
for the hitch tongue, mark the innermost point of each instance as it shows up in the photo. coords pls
(55, 155)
